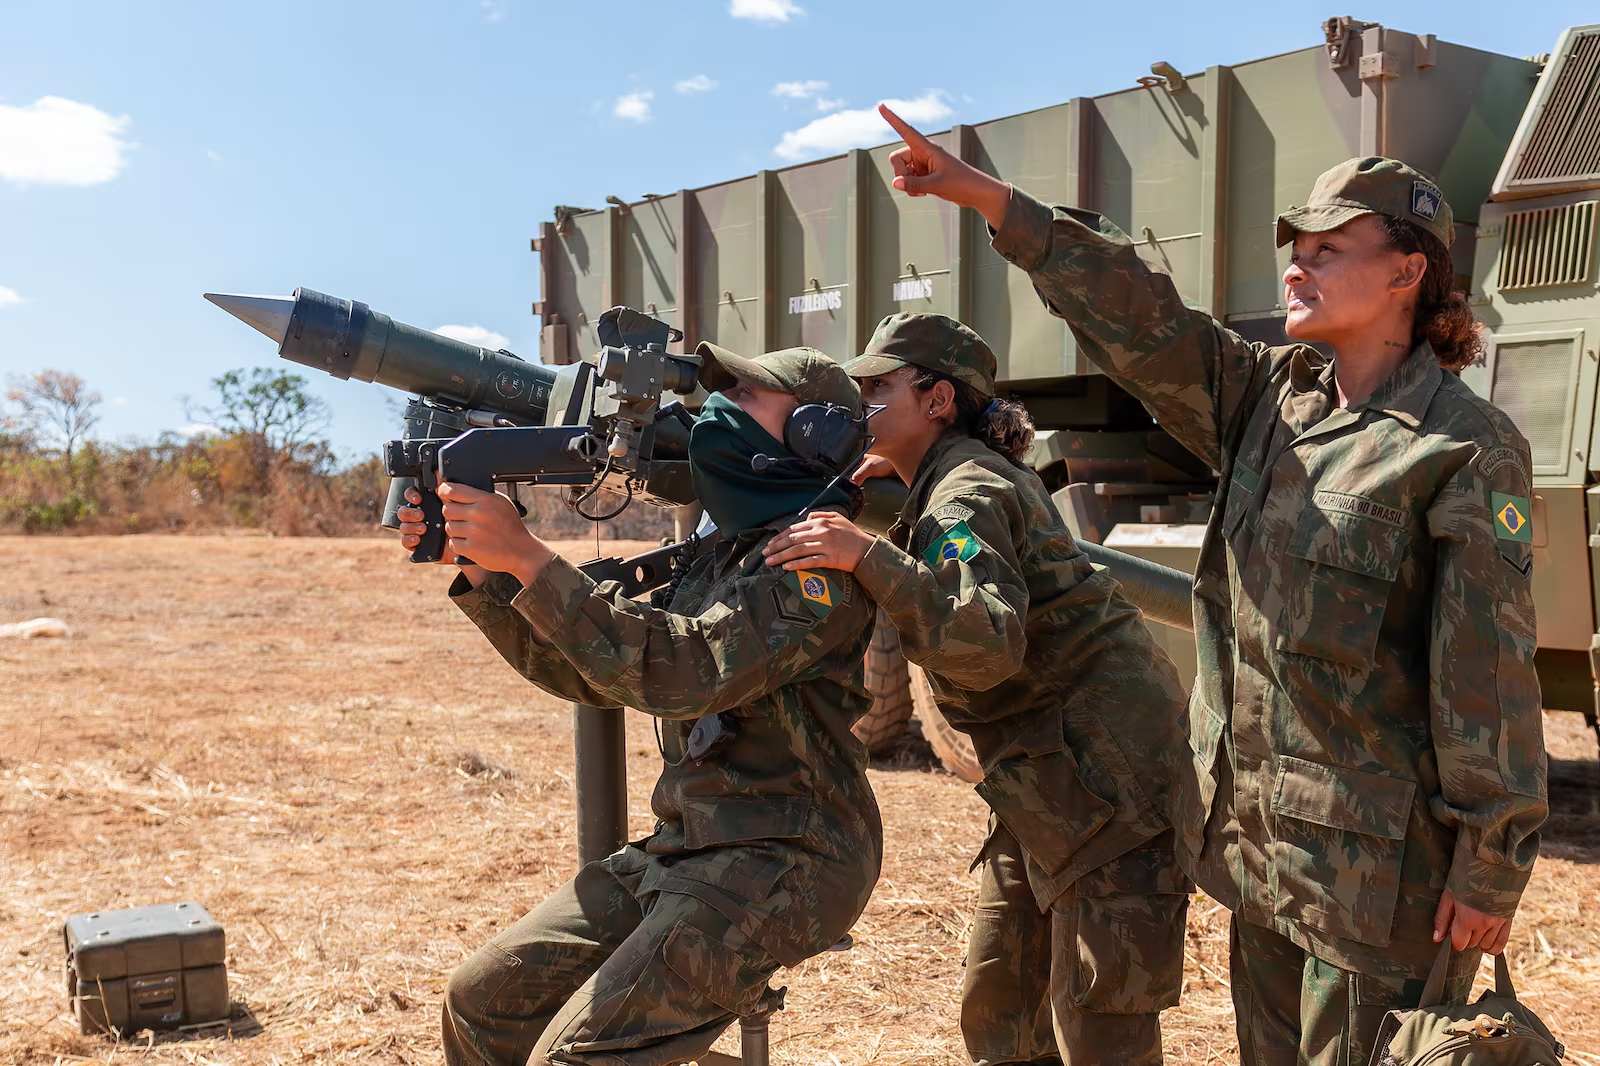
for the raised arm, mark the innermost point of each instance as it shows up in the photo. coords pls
(1193, 375)
(775, 629)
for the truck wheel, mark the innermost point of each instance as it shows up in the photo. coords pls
(890, 687)
(953, 747)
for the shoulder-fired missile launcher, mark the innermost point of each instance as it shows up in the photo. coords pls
(484, 418)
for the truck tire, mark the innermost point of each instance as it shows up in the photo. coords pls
(953, 747)
(889, 684)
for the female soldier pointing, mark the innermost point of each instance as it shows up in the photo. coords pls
(1366, 725)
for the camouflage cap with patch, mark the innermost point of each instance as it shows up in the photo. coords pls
(1373, 185)
(930, 341)
(805, 373)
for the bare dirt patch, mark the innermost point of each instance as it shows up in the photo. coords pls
(308, 738)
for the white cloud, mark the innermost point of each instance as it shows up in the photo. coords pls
(635, 106)
(213, 155)
(120, 401)
(825, 103)
(798, 90)
(697, 84)
(861, 128)
(493, 10)
(483, 338)
(9, 297)
(764, 10)
(197, 429)
(60, 142)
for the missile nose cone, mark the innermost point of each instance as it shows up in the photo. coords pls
(269, 314)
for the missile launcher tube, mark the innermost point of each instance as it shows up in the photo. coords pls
(348, 339)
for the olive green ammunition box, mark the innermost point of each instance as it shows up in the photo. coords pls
(158, 967)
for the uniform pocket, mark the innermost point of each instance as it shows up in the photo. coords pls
(1521, 747)
(713, 969)
(1339, 837)
(743, 819)
(1046, 806)
(1334, 598)
(1126, 924)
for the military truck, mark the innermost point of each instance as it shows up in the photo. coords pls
(1195, 168)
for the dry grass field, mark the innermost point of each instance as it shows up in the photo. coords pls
(308, 738)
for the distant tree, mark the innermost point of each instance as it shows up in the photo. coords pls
(61, 403)
(271, 406)
(270, 415)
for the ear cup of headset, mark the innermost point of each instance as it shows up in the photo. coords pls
(825, 432)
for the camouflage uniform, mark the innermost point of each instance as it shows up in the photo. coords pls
(765, 850)
(1365, 726)
(1077, 717)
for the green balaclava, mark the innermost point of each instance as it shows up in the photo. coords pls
(722, 446)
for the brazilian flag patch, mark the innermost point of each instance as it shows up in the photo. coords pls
(820, 592)
(956, 544)
(1513, 517)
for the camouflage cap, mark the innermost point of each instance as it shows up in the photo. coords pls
(805, 373)
(933, 342)
(1369, 186)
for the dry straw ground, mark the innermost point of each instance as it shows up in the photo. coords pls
(307, 737)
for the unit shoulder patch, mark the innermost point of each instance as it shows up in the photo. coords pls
(952, 512)
(1512, 517)
(1495, 459)
(820, 590)
(956, 544)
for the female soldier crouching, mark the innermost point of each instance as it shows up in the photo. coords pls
(768, 841)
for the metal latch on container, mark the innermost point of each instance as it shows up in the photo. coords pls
(1380, 66)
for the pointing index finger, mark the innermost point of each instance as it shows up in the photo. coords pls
(907, 132)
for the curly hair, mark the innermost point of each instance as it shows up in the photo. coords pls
(1003, 425)
(1442, 316)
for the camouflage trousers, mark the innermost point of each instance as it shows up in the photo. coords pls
(1291, 1008)
(1085, 982)
(602, 972)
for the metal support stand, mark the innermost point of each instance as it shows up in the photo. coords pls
(601, 780)
(754, 1041)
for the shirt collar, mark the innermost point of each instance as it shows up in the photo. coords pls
(1404, 394)
(921, 482)
(1409, 390)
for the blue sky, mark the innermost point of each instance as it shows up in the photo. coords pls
(402, 153)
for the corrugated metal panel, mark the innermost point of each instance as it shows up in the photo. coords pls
(1533, 383)
(818, 253)
(649, 257)
(1565, 143)
(1548, 246)
(725, 243)
(811, 211)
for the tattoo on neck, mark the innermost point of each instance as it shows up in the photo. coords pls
(1396, 344)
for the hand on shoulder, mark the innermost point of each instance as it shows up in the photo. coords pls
(824, 540)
